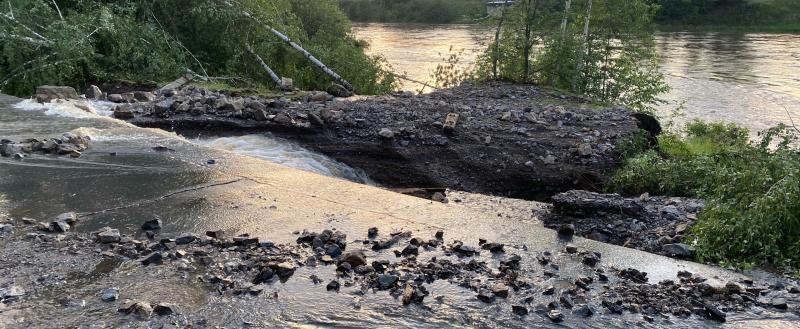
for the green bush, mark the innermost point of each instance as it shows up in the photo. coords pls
(752, 190)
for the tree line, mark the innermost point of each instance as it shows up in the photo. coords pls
(414, 11)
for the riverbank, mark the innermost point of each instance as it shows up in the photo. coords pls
(787, 27)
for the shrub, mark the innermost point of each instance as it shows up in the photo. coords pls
(752, 190)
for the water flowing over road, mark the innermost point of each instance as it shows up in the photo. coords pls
(749, 79)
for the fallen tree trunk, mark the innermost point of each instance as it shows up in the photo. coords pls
(266, 67)
(300, 49)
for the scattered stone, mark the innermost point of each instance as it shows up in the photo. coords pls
(154, 258)
(519, 310)
(110, 295)
(387, 281)
(677, 250)
(164, 309)
(779, 303)
(500, 290)
(152, 225)
(333, 286)
(108, 235)
(354, 258)
(141, 310)
(555, 316)
(486, 296)
(372, 232)
(571, 249)
(566, 230)
(386, 133)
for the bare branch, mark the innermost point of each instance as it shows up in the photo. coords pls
(11, 18)
(793, 125)
(58, 10)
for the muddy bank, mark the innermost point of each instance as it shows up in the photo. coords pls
(496, 138)
(40, 266)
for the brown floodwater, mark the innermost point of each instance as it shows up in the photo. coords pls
(749, 79)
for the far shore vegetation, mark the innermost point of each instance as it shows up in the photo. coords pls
(671, 15)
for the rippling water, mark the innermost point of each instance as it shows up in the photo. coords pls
(750, 79)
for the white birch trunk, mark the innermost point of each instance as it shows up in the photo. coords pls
(266, 67)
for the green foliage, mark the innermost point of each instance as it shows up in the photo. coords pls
(752, 190)
(414, 11)
(614, 61)
(159, 40)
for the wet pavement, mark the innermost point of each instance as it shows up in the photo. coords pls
(121, 181)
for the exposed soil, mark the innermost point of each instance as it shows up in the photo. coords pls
(510, 140)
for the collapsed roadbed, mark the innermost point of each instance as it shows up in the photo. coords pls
(495, 138)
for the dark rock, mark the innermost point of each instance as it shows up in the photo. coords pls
(591, 259)
(493, 247)
(677, 250)
(152, 225)
(144, 96)
(333, 286)
(387, 281)
(439, 235)
(372, 232)
(59, 227)
(185, 238)
(549, 291)
(410, 250)
(714, 313)
(571, 249)
(333, 250)
(584, 311)
(154, 258)
(164, 309)
(285, 270)
(218, 234)
(566, 230)
(486, 296)
(519, 310)
(265, 275)
(354, 258)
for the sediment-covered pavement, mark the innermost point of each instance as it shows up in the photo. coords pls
(131, 175)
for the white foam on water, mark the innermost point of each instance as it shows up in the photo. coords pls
(286, 153)
(80, 109)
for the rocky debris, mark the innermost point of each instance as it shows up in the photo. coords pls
(68, 144)
(437, 139)
(47, 94)
(653, 224)
(238, 269)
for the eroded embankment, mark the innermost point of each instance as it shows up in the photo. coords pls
(495, 138)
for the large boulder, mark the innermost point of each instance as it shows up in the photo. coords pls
(46, 94)
(93, 92)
